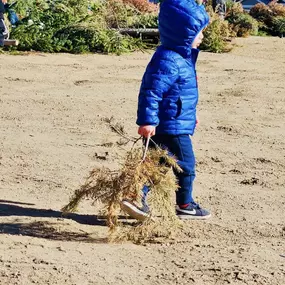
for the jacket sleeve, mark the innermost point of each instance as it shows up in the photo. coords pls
(157, 80)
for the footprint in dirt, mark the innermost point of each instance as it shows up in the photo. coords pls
(262, 160)
(11, 79)
(101, 156)
(226, 129)
(216, 159)
(82, 82)
(235, 171)
(250, 181)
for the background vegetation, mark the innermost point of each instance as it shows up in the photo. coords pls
(96, 26)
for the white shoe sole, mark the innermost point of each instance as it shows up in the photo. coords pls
(133, 211)
(190, 217)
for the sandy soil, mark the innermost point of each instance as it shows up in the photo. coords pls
(51, 135)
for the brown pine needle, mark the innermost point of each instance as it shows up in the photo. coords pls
(111, 187)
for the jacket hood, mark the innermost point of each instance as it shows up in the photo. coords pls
(180, 21)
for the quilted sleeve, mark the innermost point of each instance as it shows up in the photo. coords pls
(157, 80)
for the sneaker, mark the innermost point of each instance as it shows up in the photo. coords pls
(192, 212)
(134, 211)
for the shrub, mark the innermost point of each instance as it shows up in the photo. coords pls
(261, 12)
(277, 19)
(234, 8)
(119, 15)
(68, 25)
(41, 20)
(245, 25)
(145, 21)
(277, 9)
(241, 23)
(76, 26)
(269, 17)
(142, 5)
(216, 34)
(82, 37)
(278, 27)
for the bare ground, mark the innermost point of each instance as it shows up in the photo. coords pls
(51, 135)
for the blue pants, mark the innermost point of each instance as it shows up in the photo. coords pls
(181, 147)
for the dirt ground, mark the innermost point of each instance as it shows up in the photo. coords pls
(52, 134)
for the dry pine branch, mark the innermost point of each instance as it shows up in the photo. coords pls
(110, 187)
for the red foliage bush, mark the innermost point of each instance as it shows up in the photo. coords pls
(265, 13)
(277, 9)
(270, 17)
(142, 5)
(260, 12)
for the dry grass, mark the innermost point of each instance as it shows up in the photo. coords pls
(111, 187)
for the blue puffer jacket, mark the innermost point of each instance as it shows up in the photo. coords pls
(169, 92)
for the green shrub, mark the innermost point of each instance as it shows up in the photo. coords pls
(244, 25)
(145, 21)
(241, 23)
(69, 26)
(82, 37)
(41, 20)
(277, 19)
(76, 26)
(278, 26)
(216, 34)
(262, 33)
(234, 8)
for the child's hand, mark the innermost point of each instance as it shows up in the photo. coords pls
(146, 131)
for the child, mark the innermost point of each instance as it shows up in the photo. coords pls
(168, 98)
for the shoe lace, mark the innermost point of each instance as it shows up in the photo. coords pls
(195, 205)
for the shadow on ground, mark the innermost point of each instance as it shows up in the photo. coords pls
(44, 229)
(47, 230)
(7, 209)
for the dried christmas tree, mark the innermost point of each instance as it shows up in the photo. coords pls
(142, 167)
